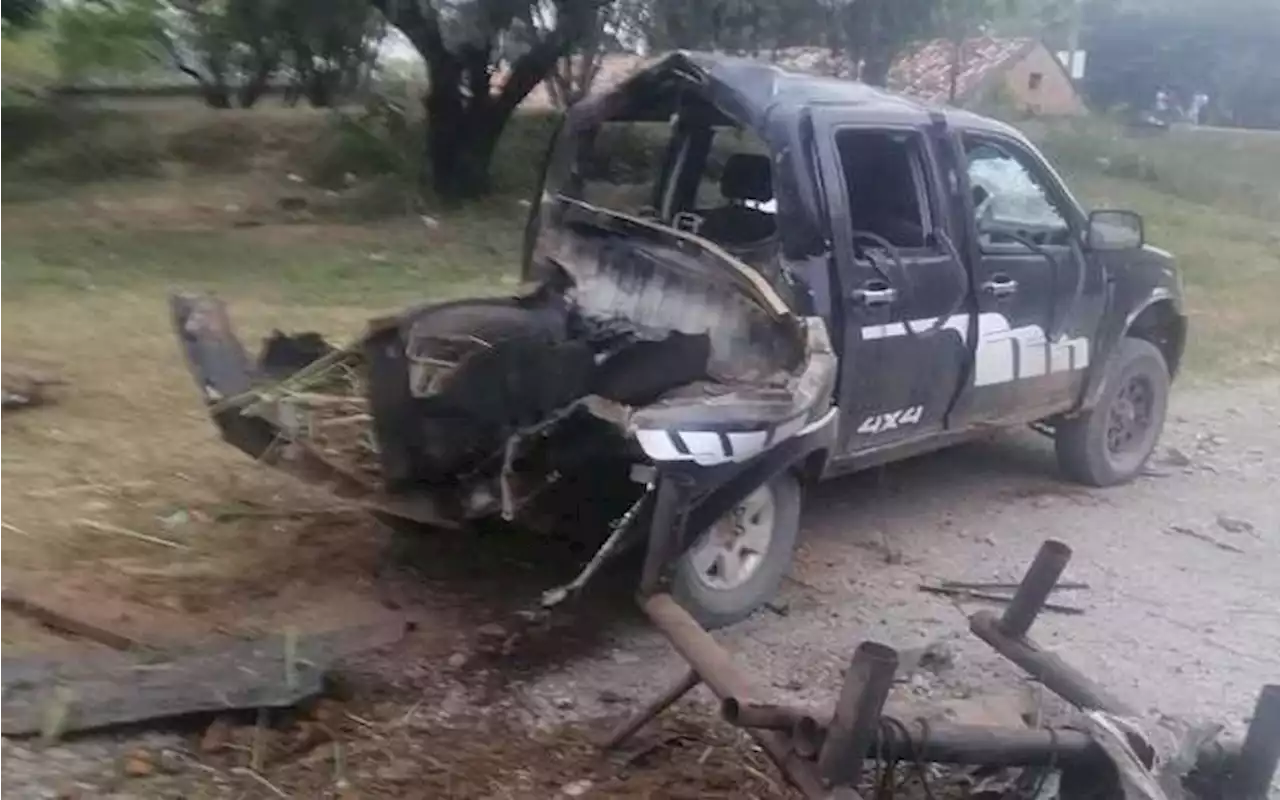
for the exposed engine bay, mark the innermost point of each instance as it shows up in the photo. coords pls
(638, 346)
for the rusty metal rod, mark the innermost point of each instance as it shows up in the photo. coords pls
(1047, 667)
(655, 707)
(856, 722)
(1260, 753)
(716, 669)
(745, 714)
(1034, 590)
(972, 744)
(666, 524)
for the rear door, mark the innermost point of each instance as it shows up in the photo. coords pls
(901, 291)
(1034, 285)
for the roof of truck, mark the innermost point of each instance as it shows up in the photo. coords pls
(762, 95)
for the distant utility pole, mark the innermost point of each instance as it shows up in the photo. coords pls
(1073, 35)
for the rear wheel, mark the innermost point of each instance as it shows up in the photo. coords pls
(1110, 443)
(737, 565)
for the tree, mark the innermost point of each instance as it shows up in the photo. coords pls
(1225, 50)
(21, 13)
(326, 44)
(102, 34)
(230, 47)
(462, 43)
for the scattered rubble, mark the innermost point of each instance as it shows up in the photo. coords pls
(25, 388)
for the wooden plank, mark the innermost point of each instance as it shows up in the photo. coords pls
(112, 621)
(100, 692)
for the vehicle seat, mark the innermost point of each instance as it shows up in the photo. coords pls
(746, 177)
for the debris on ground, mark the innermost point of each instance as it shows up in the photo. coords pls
(26, 388)
(1234, 525)
(1183, 530)
(962, 593)
(92, 691)
(114, 622)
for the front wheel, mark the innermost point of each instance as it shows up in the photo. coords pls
(1110, 443)
(738, 563)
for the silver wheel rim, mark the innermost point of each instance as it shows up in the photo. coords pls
(731, 551)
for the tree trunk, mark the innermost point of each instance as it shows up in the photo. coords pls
(875, 69)
(256, 85)
(460, 144)
(216, 95)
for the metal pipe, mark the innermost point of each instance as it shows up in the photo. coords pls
(655, 707)
(1048, 668)
(968, 744)
(666, 524)
(1260, 753)
(768, 716)
(856, 722)
(1033, 591)
(716, 669)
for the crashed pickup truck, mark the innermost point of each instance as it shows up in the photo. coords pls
(737, 281)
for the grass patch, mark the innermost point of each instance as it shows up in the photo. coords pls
(1234, 170)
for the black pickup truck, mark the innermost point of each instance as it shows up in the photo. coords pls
(739, 280)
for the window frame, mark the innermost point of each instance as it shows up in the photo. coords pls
(922, 166)
(1040, 171)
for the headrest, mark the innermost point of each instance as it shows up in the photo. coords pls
(747, 176)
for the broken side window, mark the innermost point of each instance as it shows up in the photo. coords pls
(622, 168)
(884, 178)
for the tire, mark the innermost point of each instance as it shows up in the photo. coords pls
(1110, 443)
(717, 600)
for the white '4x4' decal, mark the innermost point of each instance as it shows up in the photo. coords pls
(879, 423)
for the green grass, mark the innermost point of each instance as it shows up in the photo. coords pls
(1230, 263)
(73, 246)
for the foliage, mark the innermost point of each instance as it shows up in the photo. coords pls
(21, 13)
(1184, 47)
(747, 27)
(327, 45)
(232, 49)
(113, 35)
(462, 44)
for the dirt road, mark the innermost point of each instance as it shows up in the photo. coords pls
(1183, 610)
(1180, 620)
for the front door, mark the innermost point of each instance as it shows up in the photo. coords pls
(1032, 285)
(901, 292)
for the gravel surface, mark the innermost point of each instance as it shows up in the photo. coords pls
(1181, 617)
(1183, 611)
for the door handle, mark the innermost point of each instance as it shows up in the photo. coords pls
(1000, 286)
(874, 293)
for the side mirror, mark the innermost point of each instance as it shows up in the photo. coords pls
(1115, 230)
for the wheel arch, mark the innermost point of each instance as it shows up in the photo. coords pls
(1159, 321)
(1163, 325)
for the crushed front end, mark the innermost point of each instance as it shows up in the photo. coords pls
(643, 347)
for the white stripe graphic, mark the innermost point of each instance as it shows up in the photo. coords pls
(1003, 354)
